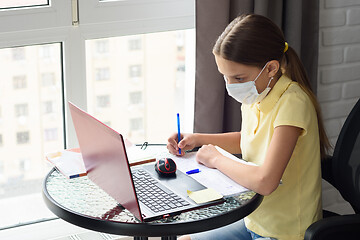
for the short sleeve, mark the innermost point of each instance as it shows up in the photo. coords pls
(294, 108)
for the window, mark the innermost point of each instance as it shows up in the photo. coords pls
(51, 134)
(18, 54)
(145, 99)
(102, 74)
(136, 124)
(22, 3)
(48, 107)
(21, 110)
(47, 53)
(136, 97)
(22, 137)
(135, 71)
(134, 44)
(103, 101)
(102, 46)
(45, 61)
(23, 165)
(48, 79)
(19, 82)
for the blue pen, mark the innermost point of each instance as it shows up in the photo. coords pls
(193, 171)
(178, 125)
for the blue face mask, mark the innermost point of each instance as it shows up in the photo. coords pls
(246, 92)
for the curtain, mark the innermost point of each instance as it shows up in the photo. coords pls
(215, 111)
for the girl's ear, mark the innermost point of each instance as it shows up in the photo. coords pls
(272, 68)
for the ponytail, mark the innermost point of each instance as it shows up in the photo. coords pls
(294, 69)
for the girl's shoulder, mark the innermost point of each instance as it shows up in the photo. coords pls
(295, 91)
(294, 97)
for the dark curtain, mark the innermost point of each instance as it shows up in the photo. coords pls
(215, 111)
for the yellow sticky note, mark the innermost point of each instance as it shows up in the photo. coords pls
(205, 195)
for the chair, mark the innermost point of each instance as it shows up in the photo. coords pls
(342, 170)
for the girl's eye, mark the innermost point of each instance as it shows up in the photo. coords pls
(239, 79)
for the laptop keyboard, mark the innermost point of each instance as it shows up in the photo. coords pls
(153, 194)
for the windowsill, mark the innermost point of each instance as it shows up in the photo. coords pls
(44, 230)
(53, 229)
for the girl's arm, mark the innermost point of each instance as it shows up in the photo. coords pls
(228, 141)
(262, 179)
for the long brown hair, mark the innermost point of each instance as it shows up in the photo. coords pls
(254, 40)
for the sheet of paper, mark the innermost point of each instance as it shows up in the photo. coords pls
(211, 178)
(204, 196)
(138, 156)
(68, 163)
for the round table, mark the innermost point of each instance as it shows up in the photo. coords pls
(80, 202)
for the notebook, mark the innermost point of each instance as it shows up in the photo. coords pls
(70, 163)
(105, 159)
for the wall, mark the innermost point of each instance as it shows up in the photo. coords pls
(339, 74)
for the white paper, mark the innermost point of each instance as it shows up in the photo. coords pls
(135, 154)
(67, 162)
(211, 178)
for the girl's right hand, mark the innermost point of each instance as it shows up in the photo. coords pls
(187, 142)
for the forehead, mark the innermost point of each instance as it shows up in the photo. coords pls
(230, 68)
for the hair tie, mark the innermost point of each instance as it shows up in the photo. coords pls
(286, 47)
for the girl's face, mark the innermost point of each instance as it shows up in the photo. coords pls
(240, 73)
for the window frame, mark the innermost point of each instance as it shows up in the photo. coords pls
(56, 14)
(27, 26)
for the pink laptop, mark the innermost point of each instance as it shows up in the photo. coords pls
(139, 189)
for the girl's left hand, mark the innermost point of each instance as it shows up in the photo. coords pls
(208, 155)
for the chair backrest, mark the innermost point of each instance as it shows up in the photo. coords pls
(346, 159)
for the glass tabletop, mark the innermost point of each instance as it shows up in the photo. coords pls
(82, 196)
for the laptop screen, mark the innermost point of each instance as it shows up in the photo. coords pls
(105, 159)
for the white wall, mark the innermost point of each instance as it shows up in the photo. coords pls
(339, 74)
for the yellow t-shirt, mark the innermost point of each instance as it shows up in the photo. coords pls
(287, 212)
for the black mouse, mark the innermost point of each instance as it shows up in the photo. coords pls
(165, 167)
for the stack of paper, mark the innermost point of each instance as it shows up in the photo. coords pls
(70, 162)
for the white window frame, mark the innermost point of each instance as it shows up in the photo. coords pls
(54, 24)
(56, 14)
(127, 17)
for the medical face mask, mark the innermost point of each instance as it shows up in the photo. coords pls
(246, 92)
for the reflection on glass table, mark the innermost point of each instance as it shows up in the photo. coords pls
(81, 202)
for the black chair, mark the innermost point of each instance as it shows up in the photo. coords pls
(342, 170)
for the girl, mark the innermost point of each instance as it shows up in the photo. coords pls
(282, 132)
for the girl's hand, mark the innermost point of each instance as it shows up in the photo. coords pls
(187, 142)
(208, 155)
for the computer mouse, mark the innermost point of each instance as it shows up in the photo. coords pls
(165, 167)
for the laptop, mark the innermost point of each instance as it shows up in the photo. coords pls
(139, 189)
